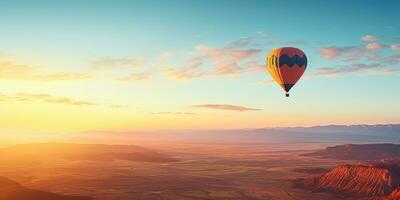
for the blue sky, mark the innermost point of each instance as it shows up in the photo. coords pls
(178, 64)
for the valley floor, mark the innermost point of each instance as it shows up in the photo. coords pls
(203, 171)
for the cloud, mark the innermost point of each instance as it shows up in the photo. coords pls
(11, 67)
(347, 53)
(184, 74)
(330, 52)
(108, 63)
(63, 76)
(391, 59)
(385, 72)
(173, 113)
(368, 38)
(240, 43)
(167, 54)
(375, 46)
(373, 56)
(366, 59)
(11, 70)
(336, 71)
(134, 77)
(387, 60)
(395, 47)
(226, 107)
(47, 98)
(353, 53)
(234, 58)
(369, 60)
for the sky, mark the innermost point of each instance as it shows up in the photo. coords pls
(76, 66)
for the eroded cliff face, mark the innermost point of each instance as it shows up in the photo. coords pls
(395, 195)
(355, 181)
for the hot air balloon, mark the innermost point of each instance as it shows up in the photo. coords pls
(286, 65)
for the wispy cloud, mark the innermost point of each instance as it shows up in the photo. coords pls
(357, 52)
(235, 57)
(173, 113)
(240, 43)
(63, 76)
(47, 98)
(133, 78)
(167, 54)
(226, 107)
(224, 62)
(385, 60)
(368, 38)
(108, 63)
(369, 59)
(336, 71)
(11, 70)
(385, 72)
(395, 47)
(347, 53)
(390, 59)
(375, 46)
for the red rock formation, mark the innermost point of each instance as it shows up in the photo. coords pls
(354, 181)
(395, 195)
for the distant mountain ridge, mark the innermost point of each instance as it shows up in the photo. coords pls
(35, 152)
(317, 134)
(11, 190)
(386, 151)
(346, 128)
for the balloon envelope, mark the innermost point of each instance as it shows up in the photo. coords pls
(286, 65)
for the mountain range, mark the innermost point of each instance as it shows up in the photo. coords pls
(11, 190)
(332, 134)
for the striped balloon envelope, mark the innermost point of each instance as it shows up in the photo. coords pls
(286, 65)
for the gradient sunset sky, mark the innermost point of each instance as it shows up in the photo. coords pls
(72, 66)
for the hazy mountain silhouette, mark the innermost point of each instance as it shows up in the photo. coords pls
(360, 152)
(11, 190)
(27, 153)
(315, 134)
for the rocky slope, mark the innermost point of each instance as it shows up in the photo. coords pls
(395, 195)
(355, 181)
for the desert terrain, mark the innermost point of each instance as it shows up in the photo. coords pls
(199, 169)
(231, 172)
